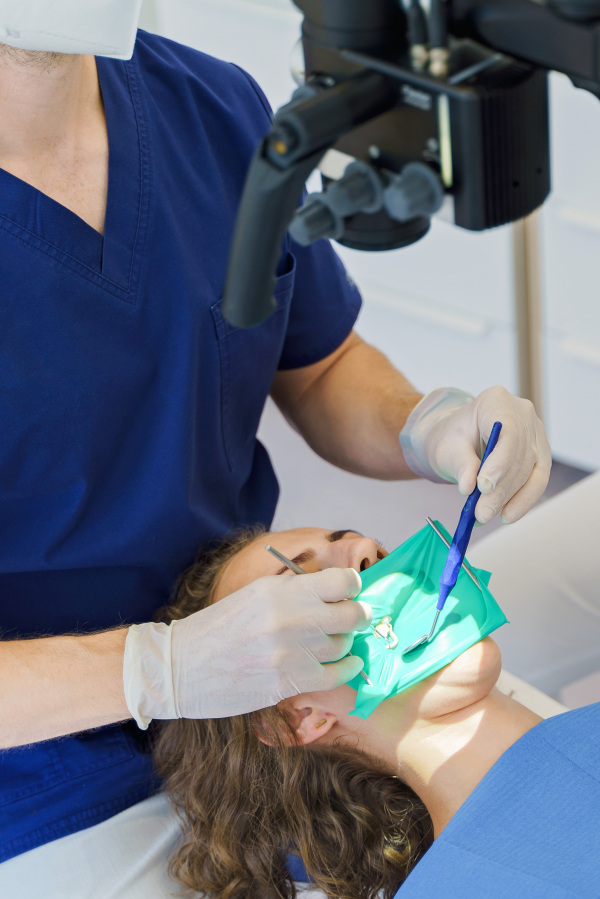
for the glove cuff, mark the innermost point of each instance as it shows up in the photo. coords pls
(148, 674)
(434, 407)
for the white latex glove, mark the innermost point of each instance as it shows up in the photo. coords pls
(443, 439)
(248, 651)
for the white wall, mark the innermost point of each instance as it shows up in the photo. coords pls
(571, 278)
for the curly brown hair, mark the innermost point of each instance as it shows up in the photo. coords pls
(245, 802)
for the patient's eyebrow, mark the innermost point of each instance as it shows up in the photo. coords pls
(305, 556)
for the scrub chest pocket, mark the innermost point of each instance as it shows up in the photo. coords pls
(248, 362)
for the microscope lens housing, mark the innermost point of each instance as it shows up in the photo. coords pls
(485, 135)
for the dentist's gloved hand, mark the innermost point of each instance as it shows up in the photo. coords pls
(443, 440)
(250, 650)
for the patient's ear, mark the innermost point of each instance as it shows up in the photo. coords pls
(309, 721)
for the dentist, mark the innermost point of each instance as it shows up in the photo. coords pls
(129, 411)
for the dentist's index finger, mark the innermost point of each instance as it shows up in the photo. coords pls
(335, 584)
(503, 473)
(519, 466)
(524, 499)
(340, 613)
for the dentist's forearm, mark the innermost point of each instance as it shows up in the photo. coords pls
(55, 686)
(350, 409)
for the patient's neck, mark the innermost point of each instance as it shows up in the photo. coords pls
(443, 759)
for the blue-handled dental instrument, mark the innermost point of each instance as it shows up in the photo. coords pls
(460, 541)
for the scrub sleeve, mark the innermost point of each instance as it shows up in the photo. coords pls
(129, 407)
(546, 579)
(531, 828)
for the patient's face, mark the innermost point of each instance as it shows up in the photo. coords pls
(464, 681)
(311, 548)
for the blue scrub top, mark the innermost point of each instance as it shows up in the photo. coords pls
(129, 407)
(531, 828)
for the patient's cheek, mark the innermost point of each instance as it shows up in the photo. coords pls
(466, 680)
(478, 667)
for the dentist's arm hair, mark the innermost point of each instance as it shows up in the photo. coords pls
(55, 686)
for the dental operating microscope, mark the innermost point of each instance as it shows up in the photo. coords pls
(407, 113)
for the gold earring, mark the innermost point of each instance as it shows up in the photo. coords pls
(321, 723)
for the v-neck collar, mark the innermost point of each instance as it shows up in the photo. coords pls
(112, 256)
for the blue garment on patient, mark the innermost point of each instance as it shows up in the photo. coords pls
(129, 407)
(531, 828)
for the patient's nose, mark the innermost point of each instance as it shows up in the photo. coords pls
(357, 552)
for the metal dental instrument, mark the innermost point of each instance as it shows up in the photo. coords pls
(458, 547)
(298, 570)
(287, 562)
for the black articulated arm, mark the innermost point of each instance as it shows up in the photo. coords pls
(302, 132)
(408, 112)
(268, 203)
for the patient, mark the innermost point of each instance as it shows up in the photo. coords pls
(360, 801)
